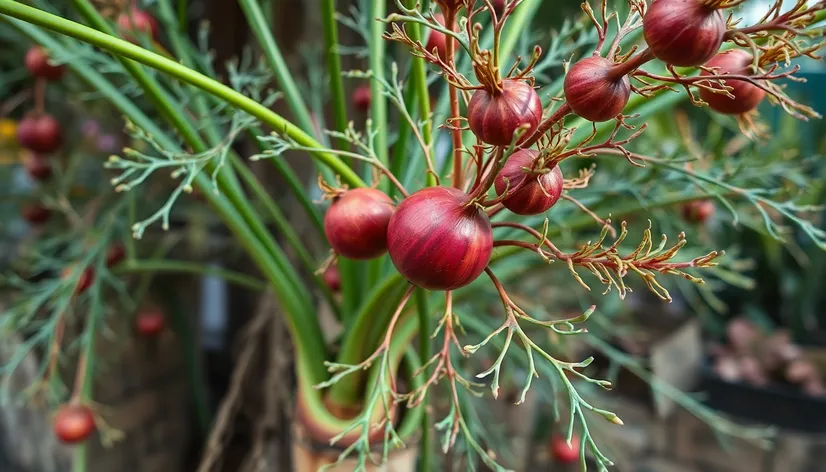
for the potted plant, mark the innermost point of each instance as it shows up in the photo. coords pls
(416, 227)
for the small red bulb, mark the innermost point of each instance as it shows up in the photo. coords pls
(39, 65)
(536, 195)
(86, 279)
(73, 424)
(592, 90)
(361, 98)
(495, 117)
(561, 452)
(35, 213)
(356, 223)
(438, 40)
(37, 166)
(747, 96)
(115, 255)
(150, 323)
(699, 211)
(138, 20)
(332, 278)
(40, 133)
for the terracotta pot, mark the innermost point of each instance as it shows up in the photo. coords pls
(309, 457)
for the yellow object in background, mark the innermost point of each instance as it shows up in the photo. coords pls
(8, 131)
(9, 152)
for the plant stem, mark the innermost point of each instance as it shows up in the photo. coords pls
(416, 94)
(293, 181)
(156, 61)
(287, 231)
(183, 10)
(86, 368)
(166, 265)
(283, 75)
(426, 447)
(328, 20)
(378, 104)
(455, 113)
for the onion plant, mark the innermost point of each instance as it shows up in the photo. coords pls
(467, 173)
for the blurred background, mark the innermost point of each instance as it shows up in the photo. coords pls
(729, 377)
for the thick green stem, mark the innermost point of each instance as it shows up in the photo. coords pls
(183, 16)
(426, 447)
(328, 20)
(415, 95)
(378, 104)
(286, 229)
(156, 61)
(283, 75)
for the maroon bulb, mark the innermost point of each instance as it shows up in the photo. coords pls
(38, 64)
(73, 424)
(140, 21)
(747, 96)
(698, 211)
(35, 213)
(683, 32)
(594, 91)
(40, 133)
(332, 278)
(533, 196)
(439, 240)
(37, 166)
(87, 277)
(150, 323)
(361, 98)
(495, 116)
(115, 255)
(438, 40)
(356, 223)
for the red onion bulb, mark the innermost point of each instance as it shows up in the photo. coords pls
(138, 20)
(538, 194)
(40, 133)
(356, 223)
(150, 323)
(35, 214)
(698, 211)
(438, 40)
(494, 117)
(683, 32)
(73, 424)
(361, 98)
(593, 92)
(438, 240)
(37, 166)
(37, 62)
(747, 96)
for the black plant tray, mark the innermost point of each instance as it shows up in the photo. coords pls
(778, 405)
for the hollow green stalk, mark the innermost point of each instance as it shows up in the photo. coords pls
(339, 101)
